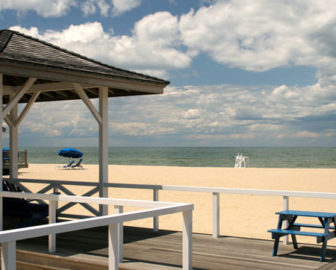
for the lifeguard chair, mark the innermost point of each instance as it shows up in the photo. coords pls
(241, 161)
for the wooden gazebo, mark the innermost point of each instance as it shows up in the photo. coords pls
(32, 71)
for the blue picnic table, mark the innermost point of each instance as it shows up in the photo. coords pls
(326, 230)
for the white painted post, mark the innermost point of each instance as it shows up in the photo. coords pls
(285, 207)
(113, 260)
(155, 219)
(52, 219)
(1, 146)
(187, 240)
(118, 210)
(8, 255)
(56, 191)
(103, 147)
(13, 132)
(215, 215)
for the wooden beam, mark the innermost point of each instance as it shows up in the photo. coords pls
(146, 87)
(91, 91)
(13, 140)
(112, 92)
(81, 93)
(27, 108)
(18, 96)
(49, 95)
(103, 146)
(46, 87)
(8, 121)
(62, 94)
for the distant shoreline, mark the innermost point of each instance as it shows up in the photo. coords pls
(221, 157)
(186, 167)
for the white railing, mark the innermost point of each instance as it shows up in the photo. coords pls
(114, 222)
(215, 191)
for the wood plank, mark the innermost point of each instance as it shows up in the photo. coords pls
(145, 249)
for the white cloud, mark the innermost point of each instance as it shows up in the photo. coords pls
(192, 114)
(45, 8)
(59, 119)
(209, 115)
(122, 6)
(57, 8)
(89, 7)
(139, 129)
(152, 47)
(261, 35)
(308, 134)
(251, 35)
(256, 36)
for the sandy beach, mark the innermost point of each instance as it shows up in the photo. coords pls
(241, 215)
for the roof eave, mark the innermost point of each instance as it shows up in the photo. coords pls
(68, 75)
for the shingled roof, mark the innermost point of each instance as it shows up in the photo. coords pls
(22, 56)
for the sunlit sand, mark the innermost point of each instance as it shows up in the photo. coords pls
(241, 215)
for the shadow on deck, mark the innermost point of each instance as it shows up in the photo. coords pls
(145, 249)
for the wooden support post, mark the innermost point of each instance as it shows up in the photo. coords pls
(118, 210)
(155, 219)
(215, 215)
(13, 141)
(187, 240)
(113, 260)
(285, 207)
(52, 219)
(8, 255)
(81, 93)
(14, 101)
(103, 147)
(102, 120)
(27, 108)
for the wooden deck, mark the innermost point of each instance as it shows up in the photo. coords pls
(145, 249)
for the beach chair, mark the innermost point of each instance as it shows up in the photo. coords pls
(78, 164)
(69, 164)
(28, 212)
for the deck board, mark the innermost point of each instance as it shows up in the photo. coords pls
(145, 249)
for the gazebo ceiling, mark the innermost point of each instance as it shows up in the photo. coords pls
(56, 69)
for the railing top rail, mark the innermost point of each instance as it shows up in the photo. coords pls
(67, 226)
(60, 182)
(82, 199)
(263, 192)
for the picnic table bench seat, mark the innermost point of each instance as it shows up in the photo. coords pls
(293, 228)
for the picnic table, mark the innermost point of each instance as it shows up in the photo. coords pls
(324, 233)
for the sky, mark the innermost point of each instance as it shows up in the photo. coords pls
(241, 72)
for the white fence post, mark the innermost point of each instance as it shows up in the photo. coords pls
(8, 255)
(52, 219)
(118, 210)
(155, 219)
(187, 240)
(113, 260)
(285, 207)
(56, 191)
(215, 215)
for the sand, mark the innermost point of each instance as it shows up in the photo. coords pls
(241, 215)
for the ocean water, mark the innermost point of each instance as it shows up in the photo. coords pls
(259, 157)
